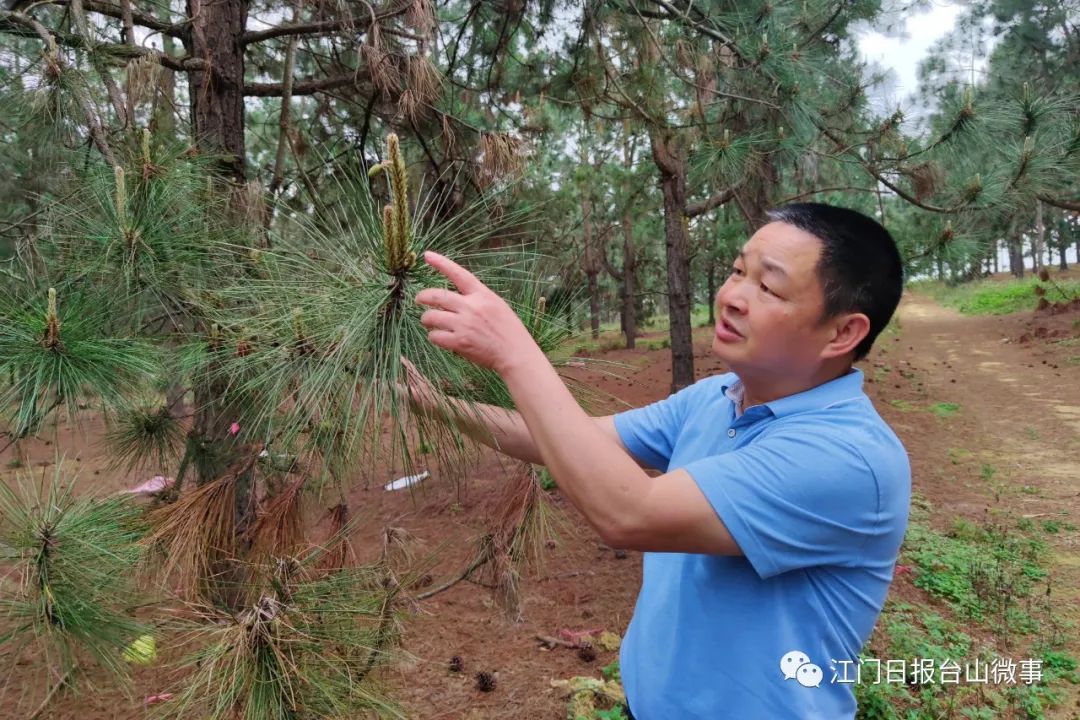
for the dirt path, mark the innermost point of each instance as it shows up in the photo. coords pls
(1010, 451)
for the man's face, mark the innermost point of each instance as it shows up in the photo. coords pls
(769, 310)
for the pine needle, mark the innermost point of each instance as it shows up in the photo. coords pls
(305, 647)
(196, 535)
(279, 530)
(73, 560)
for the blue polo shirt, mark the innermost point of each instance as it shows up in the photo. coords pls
(815, 489)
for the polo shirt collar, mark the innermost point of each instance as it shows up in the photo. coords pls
(846, 387)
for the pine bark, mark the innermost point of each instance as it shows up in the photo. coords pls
(670, 159)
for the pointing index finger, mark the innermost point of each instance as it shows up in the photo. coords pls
(463, 280)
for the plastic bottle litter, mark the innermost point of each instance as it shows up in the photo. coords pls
(407, 481)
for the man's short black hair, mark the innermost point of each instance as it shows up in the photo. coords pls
(860, 267)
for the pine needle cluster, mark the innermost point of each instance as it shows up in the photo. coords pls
(72, 577)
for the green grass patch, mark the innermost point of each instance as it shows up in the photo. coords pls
(995, 297)
(981, 577)
(982, 571)
(943, 409)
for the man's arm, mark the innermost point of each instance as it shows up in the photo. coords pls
(627, 507)
(498, 428)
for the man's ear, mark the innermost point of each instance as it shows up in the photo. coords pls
(848, 330)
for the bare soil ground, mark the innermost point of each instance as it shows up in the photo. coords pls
(1015, 380)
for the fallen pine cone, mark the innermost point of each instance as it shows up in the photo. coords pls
(485, 681)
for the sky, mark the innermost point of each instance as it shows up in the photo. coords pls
(902, 54)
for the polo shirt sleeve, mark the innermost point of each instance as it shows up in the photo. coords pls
(794, 500)
(650, 432)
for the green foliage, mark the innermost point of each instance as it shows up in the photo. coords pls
(73, 581)
(311, 337)
(984, 572)
(612, 672)
(990, 297)
(547, 482)
(944, 409)
(304, 647)
(65, 350)
(145, 437)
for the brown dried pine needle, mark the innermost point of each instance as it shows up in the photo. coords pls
(279, 530)
(197, 533)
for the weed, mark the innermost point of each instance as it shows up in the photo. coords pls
(1051, 527)
(1031, 433)
(943, 409)
(903, 405)
(1060, 664)
(958, 455)
(986, 472)
(546, 481)
(983, 571)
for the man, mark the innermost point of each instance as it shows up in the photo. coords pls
(771, 536)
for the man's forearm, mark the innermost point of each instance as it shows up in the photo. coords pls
(590, 465)
(498, 428)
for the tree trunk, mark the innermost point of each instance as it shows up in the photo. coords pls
(627, 286)
(671, 162)
(629, 312)
(163, 105)
(1016, 252)
(217, 94)
(591, 264)
(711, 280)
(1038, 241)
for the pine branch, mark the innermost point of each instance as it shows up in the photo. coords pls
(178, 30)
(21, 25)
(818, 191)
(704, 206)
(286, 110)
(308, 87)
(816, 35)
(1063, 203)
(329, 27)
(78, 15)
(10, 19)
(880, 177)
(609, 266)
(321, 27)
(683, 17)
